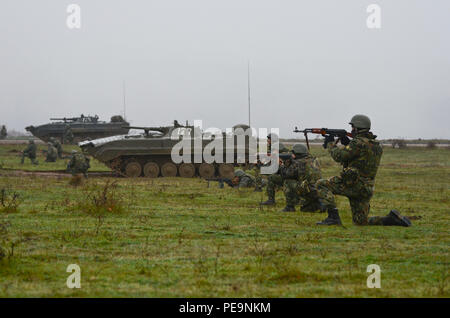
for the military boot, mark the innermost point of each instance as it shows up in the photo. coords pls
(268, 202)
(332, 219)
(288, 208)
(396, 219)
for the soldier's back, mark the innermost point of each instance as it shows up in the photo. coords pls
(370, 152)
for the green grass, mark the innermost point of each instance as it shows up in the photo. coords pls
(178, 238)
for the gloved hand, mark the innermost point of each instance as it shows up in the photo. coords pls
(327, 140)
(345, 140)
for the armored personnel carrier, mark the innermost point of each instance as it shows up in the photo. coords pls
(82, 128)
(149, 154)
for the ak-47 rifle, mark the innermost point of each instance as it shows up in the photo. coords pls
(329, 134)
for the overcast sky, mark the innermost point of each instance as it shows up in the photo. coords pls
(313, 63)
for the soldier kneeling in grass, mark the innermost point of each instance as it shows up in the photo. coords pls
(30, 152)
(52, 153)
(78, 163)
(360, 159)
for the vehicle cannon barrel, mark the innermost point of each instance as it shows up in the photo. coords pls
(66, 119)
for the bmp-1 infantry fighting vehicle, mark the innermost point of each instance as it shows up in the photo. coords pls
(81, 128)
(149, 154)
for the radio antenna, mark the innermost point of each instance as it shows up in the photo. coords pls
(248, 87)
(124, 102)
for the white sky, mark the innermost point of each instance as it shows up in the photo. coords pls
(313, 63)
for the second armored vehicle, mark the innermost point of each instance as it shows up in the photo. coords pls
(79, 128)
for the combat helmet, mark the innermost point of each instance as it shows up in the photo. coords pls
(360, 121)
(299, 149)
(239, 173)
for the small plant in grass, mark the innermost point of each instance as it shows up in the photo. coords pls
(9, 201)
(6, 246)
(100, 201)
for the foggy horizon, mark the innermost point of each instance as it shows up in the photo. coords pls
(312, 64)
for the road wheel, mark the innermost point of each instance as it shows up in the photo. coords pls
(187, 170)
(133, 169)
(169, 169)
(151, 170)
(115, 164)
(206, 170)
(226, 170)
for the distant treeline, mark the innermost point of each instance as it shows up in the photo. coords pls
(384, 141)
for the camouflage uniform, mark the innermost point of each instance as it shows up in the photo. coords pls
(57, 145)
(299, 185)
(3, 132)
(245, 180)
(360, 160)
(52, 153)
(255, 173)
(30, 152)
(78, 164)
(68, 135)
(275, 181)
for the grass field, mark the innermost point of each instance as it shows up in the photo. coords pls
(174, 237)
